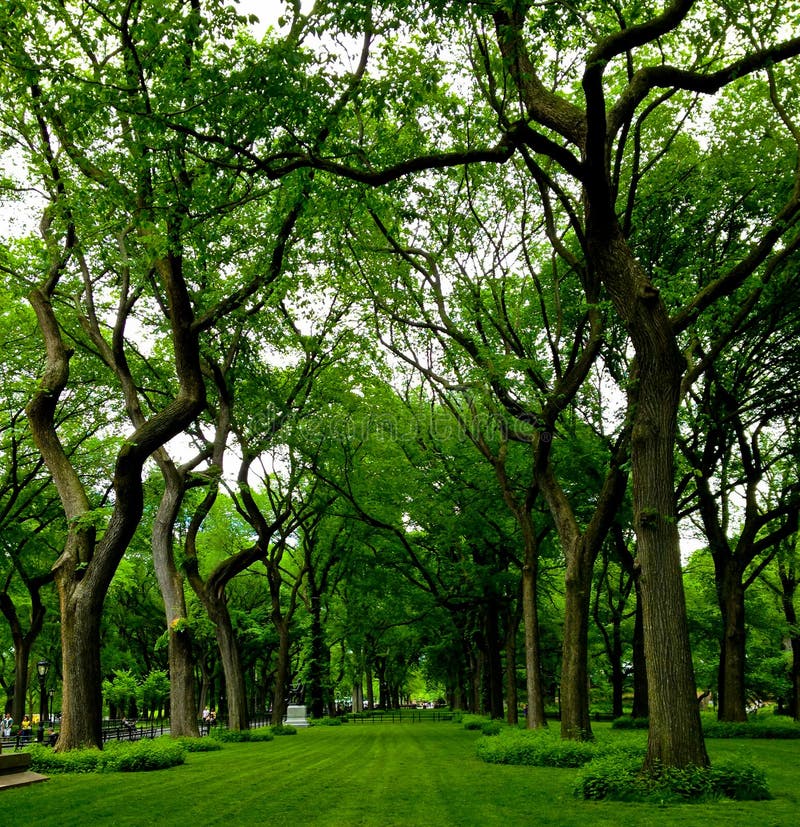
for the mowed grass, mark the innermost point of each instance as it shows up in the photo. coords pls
(377, 774)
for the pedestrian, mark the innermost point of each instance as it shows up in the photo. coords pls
(6, 724)
(26, 728)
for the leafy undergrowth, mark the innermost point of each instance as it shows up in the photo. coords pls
(220, 733)
(761, 726)
(326, 722)
(118, 756)
(612, 769)
(284, 729)
(620, 778)
(538, 748)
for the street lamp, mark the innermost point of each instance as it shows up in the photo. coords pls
(42, 668)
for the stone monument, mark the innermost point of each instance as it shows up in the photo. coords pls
(296, 710)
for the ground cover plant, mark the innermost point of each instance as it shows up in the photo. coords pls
(118, 756)
(389, 774)
(766, 725)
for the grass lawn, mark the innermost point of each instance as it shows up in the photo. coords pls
(422, 774)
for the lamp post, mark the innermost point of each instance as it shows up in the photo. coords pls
(41, 669)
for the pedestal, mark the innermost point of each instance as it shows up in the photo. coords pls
(296, 715)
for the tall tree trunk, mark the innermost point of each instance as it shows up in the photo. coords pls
(81, 700)
(494, 661)
(788, 581)
(535, 717)
(281, 688)
(641, 705)
(235, 690)
(731, 696)
(183, 709)
(575, 720)
(319, 661)
(675, 737)
(512, 629)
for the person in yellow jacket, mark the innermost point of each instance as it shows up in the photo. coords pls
(27, 729)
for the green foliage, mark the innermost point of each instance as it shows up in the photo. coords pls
(118, 756)
(199, 744)
(626, 722)
(283, 729)
(45, 760)
(535, 748)
(492, 728)
(225, 735)
(326, 722)
(763, 726)
(138, 756)
(619, 777)
(474, 722)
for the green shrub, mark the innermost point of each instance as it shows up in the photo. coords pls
(238, 735)
(284, 729)
(619, 777)
(198, 744)
(763, 726)
(118, 756)
(45, 760)
(626, 722)
(139, 756)
(535, 748)
(326, 722)
(473, 721)
(492, 728)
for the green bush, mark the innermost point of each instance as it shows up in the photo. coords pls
(619, 777)
(492, 728)
(118, 756)
(139, 756)
(535, 748)
(475, 722)
(763, 726)
(45, 760)
(284, 729)
(198, 744)
(326, 722)
(626, 722)
(220, 733)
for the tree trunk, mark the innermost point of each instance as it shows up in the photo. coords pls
(319, 661)
(675, 737)
(22, 653)
(575, 719)
(788, 581)
(731, 696)
(281, 688)
(512, 628)
(81, 700)
(183, 709)
(494, 661)
(235, 691)
(533, 672)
